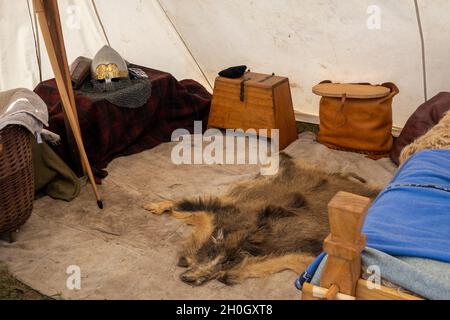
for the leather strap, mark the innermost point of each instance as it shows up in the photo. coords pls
(394, 91)
(340, 110)
(242, 93)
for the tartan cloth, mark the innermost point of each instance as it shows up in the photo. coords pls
(109, 131)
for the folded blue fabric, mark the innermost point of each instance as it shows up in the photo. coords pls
(411, 217)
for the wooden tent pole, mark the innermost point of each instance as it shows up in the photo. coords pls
(51, 10)
(49, 21)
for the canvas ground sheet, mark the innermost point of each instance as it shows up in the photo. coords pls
(124, 252)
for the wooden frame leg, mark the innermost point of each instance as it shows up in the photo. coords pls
(339, 279)
(344, 245)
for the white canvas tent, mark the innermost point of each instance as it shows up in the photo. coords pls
(306, 40)
(124, 252)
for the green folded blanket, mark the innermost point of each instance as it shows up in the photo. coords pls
(51, 175)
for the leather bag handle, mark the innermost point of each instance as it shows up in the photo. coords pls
(394, 91)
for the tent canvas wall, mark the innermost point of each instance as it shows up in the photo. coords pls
(306, 40)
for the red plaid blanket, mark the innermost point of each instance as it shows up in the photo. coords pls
(110, 131)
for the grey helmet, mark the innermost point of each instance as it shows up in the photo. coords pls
(108, 65)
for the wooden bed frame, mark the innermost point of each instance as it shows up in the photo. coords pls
(341, 277)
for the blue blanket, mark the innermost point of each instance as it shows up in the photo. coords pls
(410, 220)
(411, 217)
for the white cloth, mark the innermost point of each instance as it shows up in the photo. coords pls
(23, 107)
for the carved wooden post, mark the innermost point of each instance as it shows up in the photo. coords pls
(344, 245)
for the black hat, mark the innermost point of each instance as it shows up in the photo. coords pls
(233, 72)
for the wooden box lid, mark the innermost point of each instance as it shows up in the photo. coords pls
(253, 79)
(356, 91)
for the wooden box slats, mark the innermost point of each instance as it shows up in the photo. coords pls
(267, 104)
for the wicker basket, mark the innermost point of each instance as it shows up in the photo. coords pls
(16, 178)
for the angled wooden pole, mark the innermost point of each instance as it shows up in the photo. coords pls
(47, 13)
(51, 10)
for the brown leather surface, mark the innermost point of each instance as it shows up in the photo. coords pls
(358, 125)
(79, 70)
(423, 119)
(357, 91)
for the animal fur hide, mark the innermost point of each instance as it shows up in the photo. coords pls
(437, 138)
(260, 227)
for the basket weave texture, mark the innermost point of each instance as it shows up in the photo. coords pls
(16, 178)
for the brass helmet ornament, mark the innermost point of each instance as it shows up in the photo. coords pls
(108, 64)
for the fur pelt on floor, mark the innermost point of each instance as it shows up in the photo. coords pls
(260, 227)
(437, 137)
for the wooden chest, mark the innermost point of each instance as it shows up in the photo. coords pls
(255, 101)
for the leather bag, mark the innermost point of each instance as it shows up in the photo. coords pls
(356, 117)
(79, 70)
